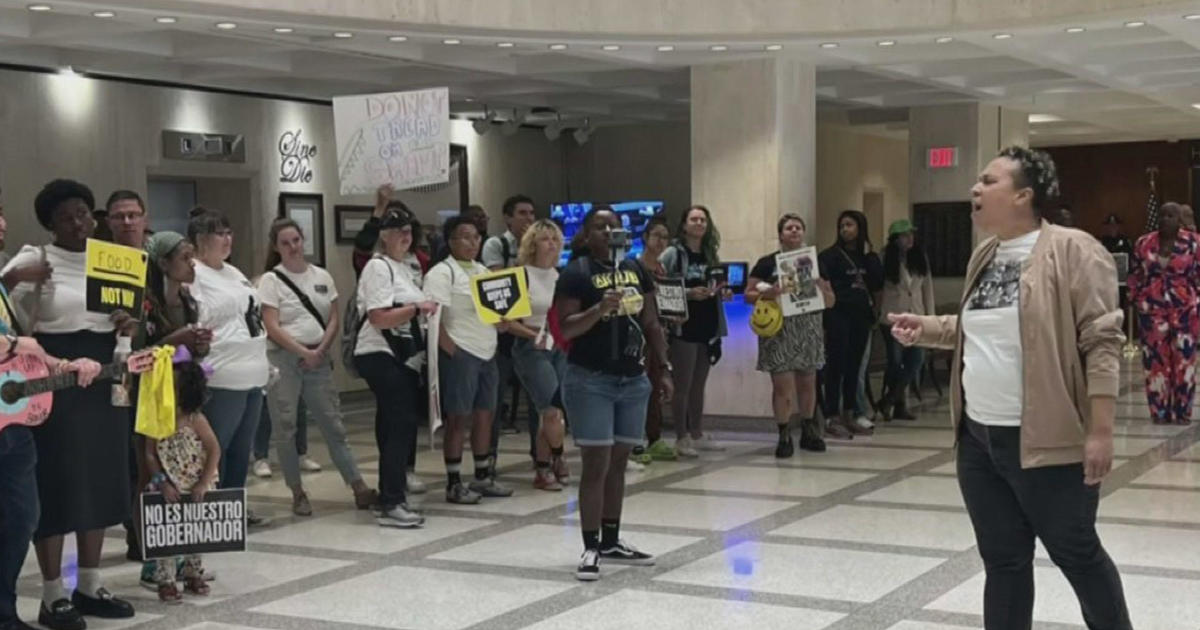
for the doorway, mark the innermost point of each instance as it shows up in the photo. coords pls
(172, 197)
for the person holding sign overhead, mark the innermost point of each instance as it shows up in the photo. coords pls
(83, 449)
(607, 312)
(793, 355)
(467, 364)
(301, 317)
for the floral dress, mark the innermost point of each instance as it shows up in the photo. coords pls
(183, 460)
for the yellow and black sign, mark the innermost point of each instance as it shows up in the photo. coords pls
(116, 278)
(501, 295)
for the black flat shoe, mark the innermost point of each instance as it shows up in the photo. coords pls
(812, 443)
(784, 449)
(105, 607)
(61, 615)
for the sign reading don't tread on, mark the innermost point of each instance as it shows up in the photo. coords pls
(501, 295)
(116, 278)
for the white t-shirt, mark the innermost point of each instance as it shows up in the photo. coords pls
(992, 360)
(449, 284)
(385, 282)
(229, 305)
(63, 302)
(493, 251)
(541, 294)
(294, 319)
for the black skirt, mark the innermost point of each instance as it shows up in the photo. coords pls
(83, 448)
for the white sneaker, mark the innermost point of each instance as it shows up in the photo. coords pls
(400, 517)
(633, 466)
(863, 423)
(414, 485)
(262, 469)
(684, 447)
(308, 464)
(706, 443)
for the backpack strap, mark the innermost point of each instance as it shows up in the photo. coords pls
(304, 300)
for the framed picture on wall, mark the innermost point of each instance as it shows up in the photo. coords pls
(308, 211)
(348, 221)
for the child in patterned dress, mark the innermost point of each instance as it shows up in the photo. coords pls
(186, 461)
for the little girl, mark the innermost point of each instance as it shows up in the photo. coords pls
(184, 462)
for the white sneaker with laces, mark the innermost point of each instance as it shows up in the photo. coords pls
(706, 443)
(308, 464)
(632, 466)
(863, 423)
(684, 447)
(400, 517)
(262, 469)
(589, 566)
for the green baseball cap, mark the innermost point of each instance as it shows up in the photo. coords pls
(902, 226)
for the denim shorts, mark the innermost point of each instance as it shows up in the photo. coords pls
(605, 409)
(541, 372)
(468, 383)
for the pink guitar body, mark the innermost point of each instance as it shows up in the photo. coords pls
(19, 409)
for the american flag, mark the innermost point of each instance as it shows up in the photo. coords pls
(1152, 211)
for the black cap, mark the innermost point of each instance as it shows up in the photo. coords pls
(396, 218)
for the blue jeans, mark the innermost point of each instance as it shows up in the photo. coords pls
(604, 408)
(234, 416)
(903, 364)
(262, 437)
(18, 511)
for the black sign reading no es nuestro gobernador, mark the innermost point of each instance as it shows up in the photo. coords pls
(175, 529)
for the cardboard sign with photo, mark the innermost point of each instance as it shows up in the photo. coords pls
(671, 298)
(798, 275)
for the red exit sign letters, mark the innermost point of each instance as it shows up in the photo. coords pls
(942, 157)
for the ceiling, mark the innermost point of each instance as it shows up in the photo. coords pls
(1108, 82)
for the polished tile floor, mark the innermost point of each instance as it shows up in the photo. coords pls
(871, 535)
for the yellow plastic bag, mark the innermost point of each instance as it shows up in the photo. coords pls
(156, 397)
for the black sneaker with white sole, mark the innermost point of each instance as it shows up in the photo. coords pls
(589, 566)
(625, 553)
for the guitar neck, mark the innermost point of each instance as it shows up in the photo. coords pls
(69, 379)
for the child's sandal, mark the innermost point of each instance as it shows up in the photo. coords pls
(196, 585)
(168, 593)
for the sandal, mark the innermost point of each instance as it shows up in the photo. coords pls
(168, 593)
(196, 585)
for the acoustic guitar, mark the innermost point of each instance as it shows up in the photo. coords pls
(27, 388)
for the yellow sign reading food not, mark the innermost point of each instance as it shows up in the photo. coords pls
(116, 277)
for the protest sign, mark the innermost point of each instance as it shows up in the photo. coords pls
(798, 275)
(175, 529)
(399, 138)
(501, 295)
(115, 277)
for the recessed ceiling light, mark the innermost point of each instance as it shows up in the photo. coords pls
(1192, 16)
(397, 38)
(718, 48)
(103, 14)
(226, 26)
(505, 45)
(39, 7)
(283, 30)
(558, 46)
(773, 47)
(829, 45)
(343, 34)
(665, 48)
(1135, 24)
(886, 42)
(165, 19)
(611, 47)
(1036, 119)
(1196, 105)
(1002, 36)
(451, 42)
(1075, 29)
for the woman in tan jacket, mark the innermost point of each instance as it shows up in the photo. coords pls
(1036, 373)
(907, 288)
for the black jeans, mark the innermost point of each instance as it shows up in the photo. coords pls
(845, 342)
(397, 391)
(18, 511)
(1010, 506)
(903, 364)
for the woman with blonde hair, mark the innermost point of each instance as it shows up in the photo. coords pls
(537, 362)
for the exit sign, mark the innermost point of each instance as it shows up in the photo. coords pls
(942, 157)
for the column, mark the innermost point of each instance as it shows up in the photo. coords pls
(753, 158)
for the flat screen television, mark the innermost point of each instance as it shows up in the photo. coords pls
(633, 215)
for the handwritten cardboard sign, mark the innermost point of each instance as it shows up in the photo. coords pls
(115, 277)
(501, 295)
(175, 529)
(401, 138)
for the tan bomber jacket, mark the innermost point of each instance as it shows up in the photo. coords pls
(1070, 338)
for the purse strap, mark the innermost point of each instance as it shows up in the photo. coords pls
(308, 305)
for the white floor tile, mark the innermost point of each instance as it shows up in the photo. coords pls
(888, 435)
(920, 491)
(1132, 447)
(525, 500)
(1180, 474)
(405, 597)
(950, 468)
(1154, 603)
(664, 611)
(1142, 545)
(1158, 505)
(358, 531)
(839, 456)
(28, 607)
(860, 523)
(212, 625)
(326, 485)
(677, 510)
(552, 547)
(803, 571)
(924, 625)
(774, 481)
(654, 470)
